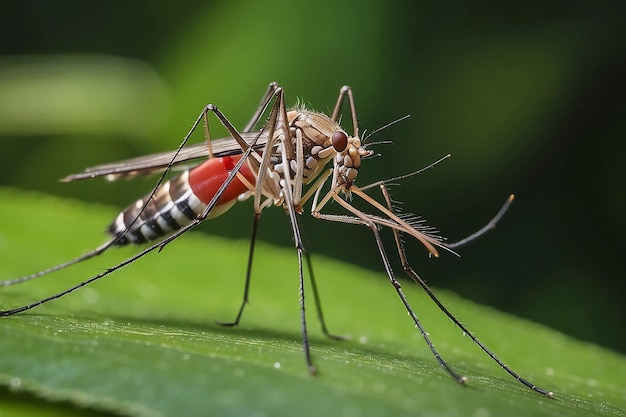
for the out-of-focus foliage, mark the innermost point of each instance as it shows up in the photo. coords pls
(526, 96)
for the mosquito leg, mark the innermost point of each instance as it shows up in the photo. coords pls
(272, 90)
(99, 250)
(316, 297)
(416, 278)
(207, 134)
(277, 127)
(246, 289)
(157, 246)
(269, 93)
(346, 91)
(491, 225)
(305, 338)
(300, 250)
(279, 130)
(114, 241)
(370, 223)
(459, 378)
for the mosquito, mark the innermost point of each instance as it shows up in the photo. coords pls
(285, 164)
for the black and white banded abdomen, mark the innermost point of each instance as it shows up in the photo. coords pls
(173, 206)
(180, 201)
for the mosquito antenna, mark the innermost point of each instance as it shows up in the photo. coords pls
(373, 132)
(403, 176)
(378, 142)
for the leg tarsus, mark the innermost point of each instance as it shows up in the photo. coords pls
(318, 304)
(246, 289)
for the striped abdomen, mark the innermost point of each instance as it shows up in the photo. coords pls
(181, 200)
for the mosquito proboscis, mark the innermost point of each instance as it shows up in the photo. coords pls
(286, 163)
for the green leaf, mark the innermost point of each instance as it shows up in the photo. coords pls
(144, 341)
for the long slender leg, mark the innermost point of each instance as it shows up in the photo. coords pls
(491, 225)
(269, 93)
(161, 244)
(316, 297)
(91, 254)
(113, 241)
(416, 278)
(287, 192)
(278, 130)
(246, 288)
(300, 251)
(305, 337)
(367, 221)
(346, 91)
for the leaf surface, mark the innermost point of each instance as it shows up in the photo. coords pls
(144, 341)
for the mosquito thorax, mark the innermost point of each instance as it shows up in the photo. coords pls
(325, 139)
(317, 132)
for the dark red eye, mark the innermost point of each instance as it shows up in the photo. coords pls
(339, 141)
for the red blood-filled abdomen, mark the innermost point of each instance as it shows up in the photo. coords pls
(206, 179)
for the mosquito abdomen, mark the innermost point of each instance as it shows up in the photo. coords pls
(179, 201)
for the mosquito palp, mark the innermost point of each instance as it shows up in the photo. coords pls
(297, 156)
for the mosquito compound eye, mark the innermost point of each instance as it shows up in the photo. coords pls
(339, 141)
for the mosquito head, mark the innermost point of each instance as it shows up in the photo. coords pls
(323, 139)
(349, 152)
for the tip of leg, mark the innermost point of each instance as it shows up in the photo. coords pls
(312, 370)
(462, 380)
(226, 323)
(338, 336)
(550, 394)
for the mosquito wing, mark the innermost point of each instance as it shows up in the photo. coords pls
(153, 163)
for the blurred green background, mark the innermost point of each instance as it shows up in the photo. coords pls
(528, 97)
